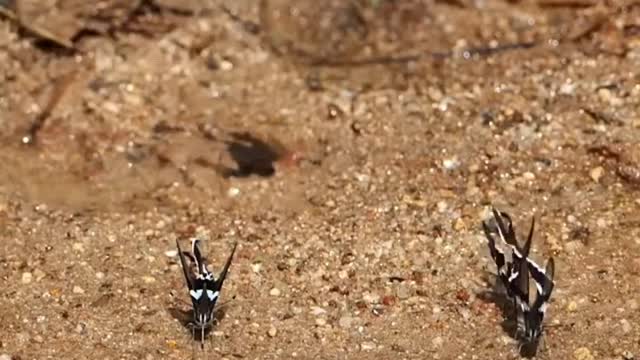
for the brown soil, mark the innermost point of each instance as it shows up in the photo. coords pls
(350, 148)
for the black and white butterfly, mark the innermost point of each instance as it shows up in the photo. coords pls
(515, 269)
(204, 288)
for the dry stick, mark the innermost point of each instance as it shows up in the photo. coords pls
(59, 89)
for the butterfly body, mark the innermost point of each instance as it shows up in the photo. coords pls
(515, 270)
(204, 288)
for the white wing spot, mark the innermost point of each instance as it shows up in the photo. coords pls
(212, 295)
(196, 294)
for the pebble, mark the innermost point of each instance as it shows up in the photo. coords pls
(582, 353)
(272, 332)
(403, 292)
(345, 322)
(573, 246)
(596, 173)
(367, 346)
(78, 290)
(27, 277)
(148, 279)
(99, 275)
(572, 306)
(632, 304)
(626, 326)
(78, 247)
(371, 298)
(171, 253)
(321, 321)
(437, 341)
(451, 164)
(5, 357)
(275, 292)
(233, 192)
(626, 355)
(317, 311)
(39, 274)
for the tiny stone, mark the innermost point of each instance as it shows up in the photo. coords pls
(367, 346)
(160, 225)
(626, 355)
(403, 292)
(148, 279)
(26, 277)
(233, 192)
(345, 322)
(171, 253)
(274, 292)
(450, 164)
(78, 290)
(256, 267)
(38, 338)
(596, 173)
(582, 354)
(272, 331)
(437, 341)
(572, 306)
(39, 274)
(371, 298)
(626, 326)
(573, 246)
(317, 311)
(78, 247)
(442, 206)
(321, 321)
(5, 357)
(602, 223)
(632, 304)
(99, 275)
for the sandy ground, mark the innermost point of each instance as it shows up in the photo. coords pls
(351, 149)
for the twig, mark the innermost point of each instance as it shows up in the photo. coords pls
(59, 89)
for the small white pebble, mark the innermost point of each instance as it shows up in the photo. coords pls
(274, 292)
(256, 267)
(321, 321)
(148, 279)
(27, 277)
(367, 346)
(99, 275)
(78, 290)
(626, 326)
(171, 253)
(451, 164)
(437, 341)
(78, 247)
(5, 357)
(272, 331)
(233, 192)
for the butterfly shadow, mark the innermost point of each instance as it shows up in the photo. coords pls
(497, 295)
(185, 318)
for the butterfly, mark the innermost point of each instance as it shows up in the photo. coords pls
(515, 269)
(204, 288)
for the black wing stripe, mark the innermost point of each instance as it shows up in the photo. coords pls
(223, 274)
(183, 262)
